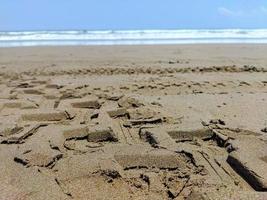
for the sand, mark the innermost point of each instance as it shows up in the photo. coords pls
(133, 122)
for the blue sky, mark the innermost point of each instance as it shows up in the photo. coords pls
(131, 14)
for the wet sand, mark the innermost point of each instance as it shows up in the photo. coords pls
(133, 122)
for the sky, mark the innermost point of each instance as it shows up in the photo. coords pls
(131, 14)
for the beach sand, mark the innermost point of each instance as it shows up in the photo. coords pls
(134, 122)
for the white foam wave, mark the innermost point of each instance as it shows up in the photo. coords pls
(84, 37)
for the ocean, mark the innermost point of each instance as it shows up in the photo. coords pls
(131, 37)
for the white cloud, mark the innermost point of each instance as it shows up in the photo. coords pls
(239, 13)
(230, 13)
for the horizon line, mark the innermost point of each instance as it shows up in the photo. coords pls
(153, 29)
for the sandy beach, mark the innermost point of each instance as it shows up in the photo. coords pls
(134, 122)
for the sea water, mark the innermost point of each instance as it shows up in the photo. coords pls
(131, 37)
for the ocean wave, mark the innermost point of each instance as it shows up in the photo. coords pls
(88, 37)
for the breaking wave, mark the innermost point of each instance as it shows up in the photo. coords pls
(131, 37)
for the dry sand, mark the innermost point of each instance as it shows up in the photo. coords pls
(133, 122)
